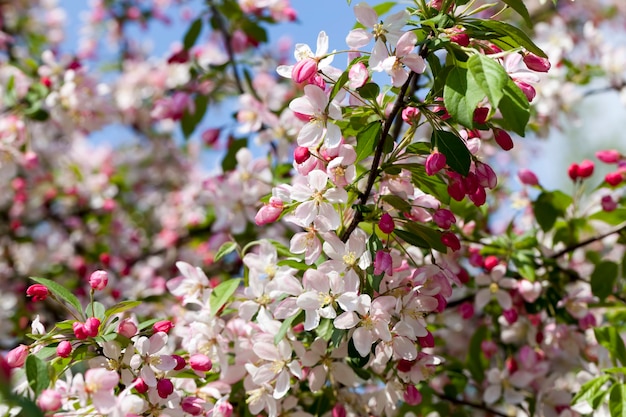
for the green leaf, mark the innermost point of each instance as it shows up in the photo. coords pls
(95, 309)
(192, 33)
(120, 307)
(366, 140)
(610, 338)
(475, 360)
(508, 36)
(293, 263)
(431, 236)
(520, 8)
(603, 279)
(396, 202)
(190, 121)
(460, 96)
(617, 400)
(230, 160)
(515, 109)
(591, 390)
(369, 91)
(549, 206)
(224, 250)
(28, 407)
(37, 374)
(285, 326)
(383, 8)
(457, 155)
(221, 294)
(613, 218)
(490, 76)
(61, 292)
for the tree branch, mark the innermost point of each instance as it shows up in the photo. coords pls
(586, 242)
(228, 44)
(477, 406)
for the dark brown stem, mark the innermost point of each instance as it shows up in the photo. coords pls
(482, 407)
(587, 242)
(228, 44)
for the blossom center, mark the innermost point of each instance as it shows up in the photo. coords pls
(493, 288)
(349, 259)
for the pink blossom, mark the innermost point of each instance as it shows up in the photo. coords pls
(388, 30)
(497, 284)
(316, 107)
(529, 291)
(270, 212)
(411, 115)
(162, 326)
(383, 263)
(412, 396)
(486, 176)
(127, 328)
(49, 400)
(192, 405)
(358, 75)
(393, 65)
(100, 383)
(17, 356)
(435, 162)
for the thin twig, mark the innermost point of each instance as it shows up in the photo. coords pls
(228, 44)
(586, 242)
(482, 407)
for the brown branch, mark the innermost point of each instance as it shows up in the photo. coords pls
(587, 242)
(477, 406)
(228, 44)
(374, 171)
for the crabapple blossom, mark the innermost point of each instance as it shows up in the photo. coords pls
(98, 280)
(393, 65)
(317, 199)
(497, 284)
(315, 107)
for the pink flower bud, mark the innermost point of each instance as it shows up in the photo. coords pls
(511, 365)
(412, 396)
(536, 63)
(489, 348)
(141, 386)
(79, 330)
(339, 411)
(528, 90)
(614, 178)
(358, 75)
(98, 280)
(5, 370)
(442, 303)
(210, 136)
(466, 310)
(587, 322)
(411, 115)
(470, 183)
(435, 162)
(304, 70)
(386, 223)
(301, 154)
(529, 291)
(180, 362)
(444, 218)
(383, 263)
(17, 356)
(585, 169)
(456, 189)
(127, 328)
(91, 326)
(486, 176)
(200, 362)
(610, 156)
(608, 204)
(572, 171)
(162, 326)
(38, 292)
(49, 400)
(270, 212)
(223, 409)
(64, 349)
(405, 365)
(503, 139)
(193, 405)
(165, 387)
(527, 177)
(510, 315)
(427, 341)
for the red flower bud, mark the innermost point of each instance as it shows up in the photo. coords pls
(528, 90)
(412, 396)
(490, 262)
(444, 218)
(614, 178)
(480, 115)
(193, 405)
(427, 341)
(165, 387)
(572, 171)
(304, 70)
(510, 315)
(339, 411)
(486, 176)
(386, 223)
(301, 154)
(38, 292)
(64, 349)
(451, 240)
(503, 139)
(383, 263)
(91, 326)
(79, 330)
(466, 310)
(180, 362)
(141, 386)
(411, 115)
(536, 63)
(435, 162)
(17, 356)
(585, 169)
(608, 204)
(461, 39)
